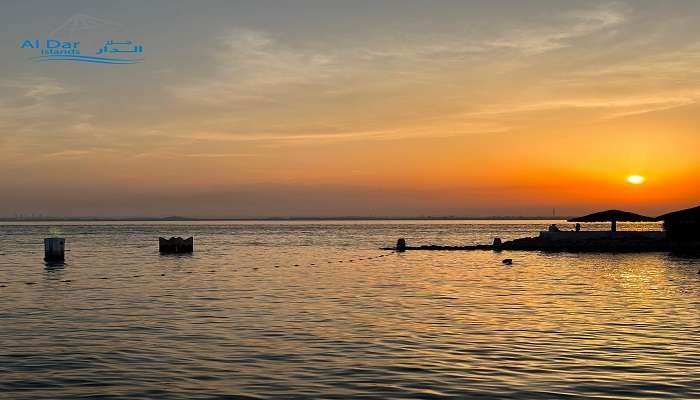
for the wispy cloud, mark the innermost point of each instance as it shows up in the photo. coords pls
(560, 31)
(249, 62)
(30, 97)
(40, 121)
(70, 154)
(460, 128)
(34, 87)
(617, 105)
(570, 26)
(260, 80)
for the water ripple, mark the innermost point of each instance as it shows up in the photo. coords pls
(278, 310)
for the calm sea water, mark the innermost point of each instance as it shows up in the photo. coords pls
(315, 310)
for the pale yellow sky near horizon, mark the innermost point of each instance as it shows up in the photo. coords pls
(377, 108)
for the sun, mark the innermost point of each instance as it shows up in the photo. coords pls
(635, 179)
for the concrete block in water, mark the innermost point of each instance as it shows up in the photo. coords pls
(54, 249)
(176, 245)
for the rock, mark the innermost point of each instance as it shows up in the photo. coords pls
(508, 261)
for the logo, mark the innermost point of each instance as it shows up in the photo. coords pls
(86, 39)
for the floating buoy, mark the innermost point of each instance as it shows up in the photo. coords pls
(54, 249)
(175, 245)
(508, 261)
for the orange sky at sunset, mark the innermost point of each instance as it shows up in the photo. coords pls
(478, 109)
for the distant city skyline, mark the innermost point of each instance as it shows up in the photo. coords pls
(353, 108)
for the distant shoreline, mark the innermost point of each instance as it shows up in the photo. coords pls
(189, 219)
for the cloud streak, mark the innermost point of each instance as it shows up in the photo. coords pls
(257, 76)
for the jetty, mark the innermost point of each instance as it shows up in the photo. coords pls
(685, 239)
(570, 241)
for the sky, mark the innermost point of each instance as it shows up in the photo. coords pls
(353, 108)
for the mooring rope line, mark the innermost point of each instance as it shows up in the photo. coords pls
(4, 284)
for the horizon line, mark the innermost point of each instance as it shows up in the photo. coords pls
(280, 218)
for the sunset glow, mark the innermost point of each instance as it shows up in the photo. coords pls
(349, 199)
(480, 109)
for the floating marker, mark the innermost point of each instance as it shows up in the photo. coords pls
(54, 249)
(176, 245)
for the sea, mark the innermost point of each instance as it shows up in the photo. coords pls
(315, 310)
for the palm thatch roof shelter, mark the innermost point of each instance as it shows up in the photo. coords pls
(613, 216)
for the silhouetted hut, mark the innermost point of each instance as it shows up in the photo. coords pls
(683, 225)
(613, 216)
